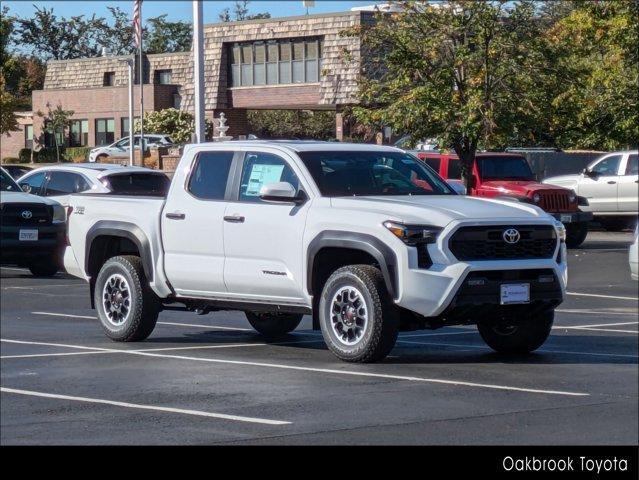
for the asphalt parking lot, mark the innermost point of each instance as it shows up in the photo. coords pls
(211, 379)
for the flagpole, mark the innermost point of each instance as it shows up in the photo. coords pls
(198, 70)
(141, 94)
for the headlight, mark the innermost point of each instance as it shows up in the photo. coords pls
(536, 198)
(561, 231)
(59, 213)
(413, 234)
(572, 197)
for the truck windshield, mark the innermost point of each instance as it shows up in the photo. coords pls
(504, 168)
(7, 184)
(153, 184)
(342, 173)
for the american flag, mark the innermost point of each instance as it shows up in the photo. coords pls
(137, 26)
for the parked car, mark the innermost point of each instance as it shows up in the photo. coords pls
(58, 182)
(633, 256)
(16, 171)
(364, 237)
(610, 184)
(32, 229)
(411, 146)
(121, 147)
(508, 176)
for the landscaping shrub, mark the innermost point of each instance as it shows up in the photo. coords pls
(292, 124)
(24, 155)
(76, 154)
(11, 160)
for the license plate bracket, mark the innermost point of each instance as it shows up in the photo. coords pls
(565, 218)
(514, 293)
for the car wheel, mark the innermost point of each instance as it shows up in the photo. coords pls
(127, 307)
(520, 336)
(614, 224)
(43, 269)
(273, 323)
(358, 319)
(576, 233)
(101, 158)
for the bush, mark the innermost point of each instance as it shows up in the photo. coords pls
(76, 154)
(24, 155)
(292, 124)
(11, 160)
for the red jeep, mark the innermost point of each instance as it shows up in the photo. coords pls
(508, 176)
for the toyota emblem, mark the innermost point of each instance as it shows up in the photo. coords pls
(26, 214)
(511, 236)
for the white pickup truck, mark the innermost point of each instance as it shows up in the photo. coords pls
(365, 238)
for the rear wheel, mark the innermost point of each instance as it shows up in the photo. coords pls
(43, 269)
(357, 316)
(127, 307)
(521, 336)
(100, 158)
(576, 234)
(273, 323)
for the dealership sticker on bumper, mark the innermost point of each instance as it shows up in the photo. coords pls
(28, 235)
(515, 293)
(565, 218)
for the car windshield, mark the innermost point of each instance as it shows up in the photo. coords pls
(341, 173)
(504, 168)
(153, 184)
(8, 184)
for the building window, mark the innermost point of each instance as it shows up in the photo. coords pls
(177, 101)
(124, 126)
(109, 79)
(163, 77)
(275, 62)
(104, 131)
(50, 138)
(79, 133)
(28, 136)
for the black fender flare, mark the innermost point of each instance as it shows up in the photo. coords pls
(126, 230)
(382, 253)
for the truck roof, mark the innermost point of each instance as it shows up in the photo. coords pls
(300, 145)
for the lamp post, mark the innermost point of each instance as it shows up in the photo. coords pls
(198, 70)
(130, 62)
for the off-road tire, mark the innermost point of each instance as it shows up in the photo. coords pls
(272, 324)
(43, 269)
(576, 233)
(525, 335)
(382, 326)
(144, 304)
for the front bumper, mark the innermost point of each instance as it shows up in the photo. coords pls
(50, 243)
(572, 217)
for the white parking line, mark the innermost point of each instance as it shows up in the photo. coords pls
(595, 325)
(198, 413)
(598, 313)
(438, 334)
(37, 287)
(175, 324)
(607, 330)
(601, 296)
(324, 370)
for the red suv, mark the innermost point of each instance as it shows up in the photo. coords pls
(508, 176)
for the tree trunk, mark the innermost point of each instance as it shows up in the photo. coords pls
(57, 148)
(465, 150)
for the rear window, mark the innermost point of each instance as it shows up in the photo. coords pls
(153, 184)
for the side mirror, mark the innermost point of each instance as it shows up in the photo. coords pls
(458, 186)
(280, 192)
(589, 173)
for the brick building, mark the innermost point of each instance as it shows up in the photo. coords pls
(282, 63)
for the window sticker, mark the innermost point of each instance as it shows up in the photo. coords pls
(261, 175)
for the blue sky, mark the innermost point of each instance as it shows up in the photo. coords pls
(179, 9)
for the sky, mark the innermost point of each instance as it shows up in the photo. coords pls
(179, 9)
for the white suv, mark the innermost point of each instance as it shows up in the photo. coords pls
(121, 147)
(365, 238)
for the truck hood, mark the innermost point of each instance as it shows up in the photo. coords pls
(563, 180)
(23, 197)
(440, 210)
(520, 188)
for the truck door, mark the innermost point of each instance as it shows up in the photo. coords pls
(628, 185)
(600, 187)
(263, 241)
(192, 227)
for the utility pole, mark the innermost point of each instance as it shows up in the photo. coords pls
(198, 70)
(130, 63)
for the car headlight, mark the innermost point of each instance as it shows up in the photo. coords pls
(59, 214)
(536, 198)
(561, 231)
(572, 197)
(413, 234)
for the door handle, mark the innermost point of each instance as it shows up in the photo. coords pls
(611, 182)
(175, 216)
(234, 218)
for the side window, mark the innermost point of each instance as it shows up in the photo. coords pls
(454, 169)
(608, 166)
(260, 169)
(210, 175)
(34, 183)
(433, 163)
(633, 166)
(64, 183)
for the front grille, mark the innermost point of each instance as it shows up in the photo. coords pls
(487, 243)
(555, 201)
(12, 214)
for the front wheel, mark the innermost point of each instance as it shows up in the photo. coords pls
(576, 234)
(273, 323)
(520, 336)
(43, 269)
(127, 307)
(357, 316)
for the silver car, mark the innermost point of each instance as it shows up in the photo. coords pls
(122, 146)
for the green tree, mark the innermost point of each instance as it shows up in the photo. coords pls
(460, 71)
(179, 125)
(241, 12)
(292, 124)
(117, 35)
(56, 122)
(164, 36)
(8, 106)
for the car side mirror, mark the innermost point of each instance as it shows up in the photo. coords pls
(280, 192)
(457, 186)
(589, 173)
